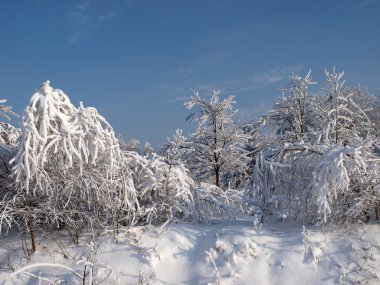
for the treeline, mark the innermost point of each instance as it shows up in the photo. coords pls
(313, 157)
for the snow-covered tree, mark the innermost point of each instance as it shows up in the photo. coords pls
(343, 119)
(167, 193)
(345, 183)
(324, 161)
(68, 169)
(133, 145)
(164, 187)
(295, 116)
(370, 104)
(213, 203)
(7, 152)
(169, 190)
(8, 138)
(148, 149)
(280, 178)
(108, 190)
(331, 177)
(175, 168)
(217, 142)
(5, 110)
(8, 133)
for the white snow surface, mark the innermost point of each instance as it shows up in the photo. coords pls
(231, 252)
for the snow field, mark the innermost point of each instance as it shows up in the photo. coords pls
(233, 252)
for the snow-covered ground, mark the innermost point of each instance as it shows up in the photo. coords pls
(233, 252)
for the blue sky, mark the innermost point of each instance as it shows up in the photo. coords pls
(136, 61)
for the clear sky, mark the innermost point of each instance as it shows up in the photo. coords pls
(136, 61)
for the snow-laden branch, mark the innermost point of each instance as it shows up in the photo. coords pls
(52, 265)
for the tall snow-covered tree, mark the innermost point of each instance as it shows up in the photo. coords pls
(217, 142)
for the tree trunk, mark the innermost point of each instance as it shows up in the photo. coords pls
(32, 233)
(217, 175)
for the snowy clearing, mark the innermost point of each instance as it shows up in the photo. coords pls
(232, 252)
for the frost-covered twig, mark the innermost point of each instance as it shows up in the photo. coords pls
(216, 270)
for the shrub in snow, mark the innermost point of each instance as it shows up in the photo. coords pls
(345, 180)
